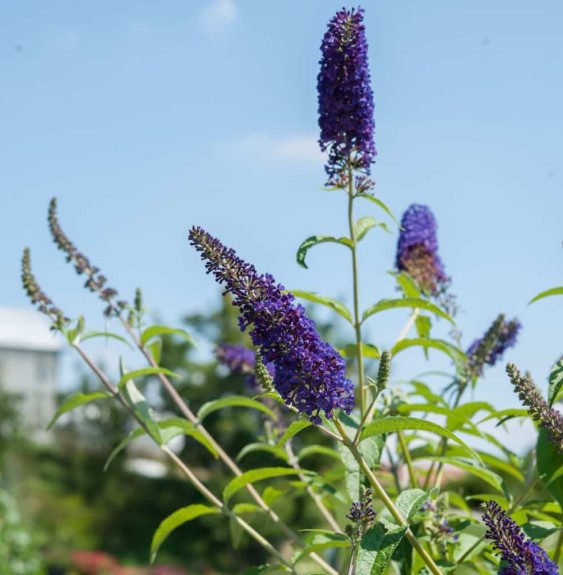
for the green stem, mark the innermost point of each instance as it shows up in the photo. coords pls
(387, 501)
(408, 460)
(357, 322)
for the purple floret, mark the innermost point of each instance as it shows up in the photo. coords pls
(417, 249)
(309, 374)
(522, 555)
(345, 96)
(240, 360)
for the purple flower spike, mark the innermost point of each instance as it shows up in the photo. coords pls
(490, 348)
(522, 555)
(345, 96)
(417, 250)
(309, 374)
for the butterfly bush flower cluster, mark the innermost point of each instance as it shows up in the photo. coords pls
(522, 555)
(309, 374)
(417, 250)
(362, 516)
(240, 360)
(345, 97)
(548, 418)
(488, 349)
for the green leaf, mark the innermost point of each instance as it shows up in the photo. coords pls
(292, 430)
(408, 284)
(555, 382)
(423, 326)
(322, 540)
(547, 293)
(93, 334)
(175, 520)
(486, 475)
(365, 224)
(330, 302)
(75, 401)
(142, 409)
(311, 241)
(455, 354)
(232, 401)
(155, 330)
(470, 536)
(539, 530)
(410, 502)
(352, 475)
(380, 204)
(504, 413)
(142, 373)
(549, 462)
(317, 450)
(255, 475)
(236, 532)
(392, 424)
(156, 349)
(368, 350)
(376, 549)
(410, 302)
(123, 444)
(264, 447)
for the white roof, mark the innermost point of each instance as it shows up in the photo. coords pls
(26, 329)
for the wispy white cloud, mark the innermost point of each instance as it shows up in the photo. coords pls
(218, 16)
(292, 147)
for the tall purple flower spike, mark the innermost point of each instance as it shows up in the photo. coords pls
(417, 250)
(309, 374)
(523, 556)
(345, 96)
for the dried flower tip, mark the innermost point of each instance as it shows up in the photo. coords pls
(38, 296)
(548, 418)
(82, 265)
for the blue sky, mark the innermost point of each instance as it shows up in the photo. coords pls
(145, 118)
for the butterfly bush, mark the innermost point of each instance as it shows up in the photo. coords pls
(309, 374)
(388, 505)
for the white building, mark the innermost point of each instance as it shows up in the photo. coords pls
(29, 365)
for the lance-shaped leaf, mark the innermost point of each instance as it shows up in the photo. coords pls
(317, 450)
(233, 401)
(392, 424)
(175, 520)
(130, 375)
(75, 401)
(92, 334)
(505, 414)
(408, 284)
(156, 330)
(330, 302)
(311, 241)
(142, 409)
(376, 549)
(548, 293)
(365, 224)
(555, 382)
(255, 475)
(320, 541)
(169, 429)
(549, 461)
(278, 452)
(368, 350)
(410, 302)
(293, 430)
(379, 203)
(455, 354)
